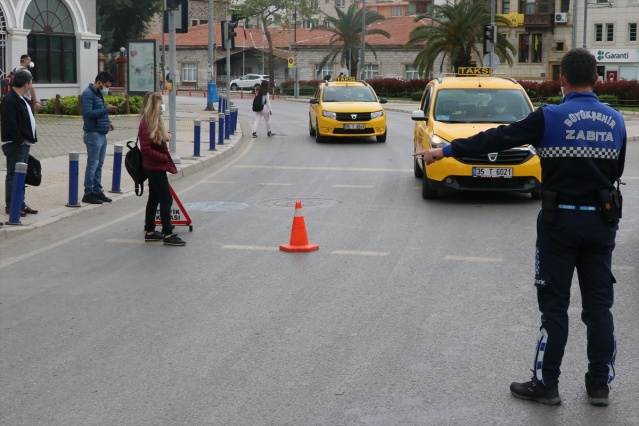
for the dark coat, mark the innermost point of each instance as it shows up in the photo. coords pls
(95, 113)
(155, 156)
(16, 123)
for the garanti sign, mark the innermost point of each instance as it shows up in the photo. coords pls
(616, 55)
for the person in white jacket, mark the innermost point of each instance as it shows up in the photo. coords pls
(266, 112)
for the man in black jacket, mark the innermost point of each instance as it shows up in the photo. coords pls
(18, 132)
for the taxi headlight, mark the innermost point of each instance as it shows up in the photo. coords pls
(377, 114)
(329, 114)
(438, 142)
(532, 149)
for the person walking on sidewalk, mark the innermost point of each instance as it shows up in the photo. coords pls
(18, 133)
(582, 146)
(266, 111)
(156, 162)
(30, 96)
(95, 113)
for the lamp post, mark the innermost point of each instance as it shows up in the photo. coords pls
(362, 54)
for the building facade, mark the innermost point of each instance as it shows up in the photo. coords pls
(60, 38)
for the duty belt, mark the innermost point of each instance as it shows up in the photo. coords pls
(577, 207)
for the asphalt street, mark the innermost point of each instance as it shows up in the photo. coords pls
(412, 312)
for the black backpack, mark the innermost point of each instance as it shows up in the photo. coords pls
(34, 171)
(133, 164)
(7, 81)
(258, 103)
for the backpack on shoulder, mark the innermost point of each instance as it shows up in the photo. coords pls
(34, 171)
(258, 103)
(133, 165)
(7, 82)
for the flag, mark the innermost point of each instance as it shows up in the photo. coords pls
(536, 42)
(244, 29)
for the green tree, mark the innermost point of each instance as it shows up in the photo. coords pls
(121, 20)
(457, 32)
(346, 40)
(269, 11)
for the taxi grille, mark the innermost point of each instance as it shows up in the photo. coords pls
(469, 182)
(340, 131)
(359, 116)
(511, 156)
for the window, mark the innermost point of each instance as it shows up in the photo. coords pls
(632, 32)
(51, 43)
(327, 24)
(598, 32)
(189, 72)
(610, 32)
(397, 11)
(530, 47)
(307, 25)
(523, 47)
(321, 72)
(3, 41)
(505, 6)
(340, 3)
(536, 47)
(412, 73)
(371, 71)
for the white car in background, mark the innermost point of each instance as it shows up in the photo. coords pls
(248, 82)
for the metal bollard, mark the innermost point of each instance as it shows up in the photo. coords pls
(212, 121)
(220, 135)
(74, 171)
(117, 168)
(219, 104)
(227, 124)
(17, 196)
(196, 138)
(234, 113)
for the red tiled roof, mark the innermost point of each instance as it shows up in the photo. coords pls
(198, 36)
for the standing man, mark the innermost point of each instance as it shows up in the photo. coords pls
(95, 113)
(582, 147)
(26, 64)
(18, 133)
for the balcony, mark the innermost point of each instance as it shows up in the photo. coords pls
(539, 20)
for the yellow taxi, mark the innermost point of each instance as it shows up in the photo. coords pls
(460, 105)
(346, 108)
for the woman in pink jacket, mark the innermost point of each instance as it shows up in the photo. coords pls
(156, 162)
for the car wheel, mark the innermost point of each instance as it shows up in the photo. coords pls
(382, 138)
(311, 130)
(535, 195)
(419, 173)
(233, 86)
(428, 193)
(318, 137)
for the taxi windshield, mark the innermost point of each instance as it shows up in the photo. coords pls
(348, 94)
(480, 106)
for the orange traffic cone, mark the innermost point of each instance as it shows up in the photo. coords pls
(299, 239)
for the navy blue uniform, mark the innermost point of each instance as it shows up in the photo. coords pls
(581, 144)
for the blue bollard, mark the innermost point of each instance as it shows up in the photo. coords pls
(117, 168)
(219, 104)
(196, 138)
(17, 196)
(233, 119)
(211, 93)
(74, 171)
(227, 124)
(220, 136)
(212, 121)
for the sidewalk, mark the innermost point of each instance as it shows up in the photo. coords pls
(61, 135)
(58, 136)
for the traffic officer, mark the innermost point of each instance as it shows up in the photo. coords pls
(581, 144)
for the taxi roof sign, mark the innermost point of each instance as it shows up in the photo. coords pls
(344, 78)
(474, 71)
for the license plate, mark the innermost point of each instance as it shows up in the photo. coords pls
(492, 172)
(354, 126)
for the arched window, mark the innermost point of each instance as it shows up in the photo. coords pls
(51, 43)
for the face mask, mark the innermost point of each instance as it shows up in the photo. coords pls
(31, 65)
(104, 91)
(499, 109)
(562, 92)
(162, 109)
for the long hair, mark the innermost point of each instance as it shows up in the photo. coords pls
(150, 114)
(264, 88)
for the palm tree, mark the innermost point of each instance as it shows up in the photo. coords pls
(457, 32)
(347, 37)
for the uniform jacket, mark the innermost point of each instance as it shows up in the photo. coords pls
(94, 111)
(581, 144)
(16, 122)
(155, 156)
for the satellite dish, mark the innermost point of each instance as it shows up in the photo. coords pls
(491, 60)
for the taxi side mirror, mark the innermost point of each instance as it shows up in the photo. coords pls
(314, 101)
(418, 116)
(383, 100)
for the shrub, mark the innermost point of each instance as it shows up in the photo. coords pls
(612, 100)
(416, 96)
(69, 105)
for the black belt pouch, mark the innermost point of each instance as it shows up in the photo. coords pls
(549, 206)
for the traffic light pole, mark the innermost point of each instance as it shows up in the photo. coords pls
(228, 62)
(491, 50)
(209, 105)
(172, 100)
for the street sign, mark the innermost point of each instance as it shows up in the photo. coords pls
(291, 62)
(495, 60)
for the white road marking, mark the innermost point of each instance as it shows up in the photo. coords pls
(275, 184)
(361, 253)
(623, 268)
(255, 248)
(353, 186)
(341, 169)
(219, 181)
(474, 259)
(125, 241)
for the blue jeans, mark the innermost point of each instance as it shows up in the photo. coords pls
(15, 153)
(96, 144)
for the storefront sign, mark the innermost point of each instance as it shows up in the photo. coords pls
(616, 55)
